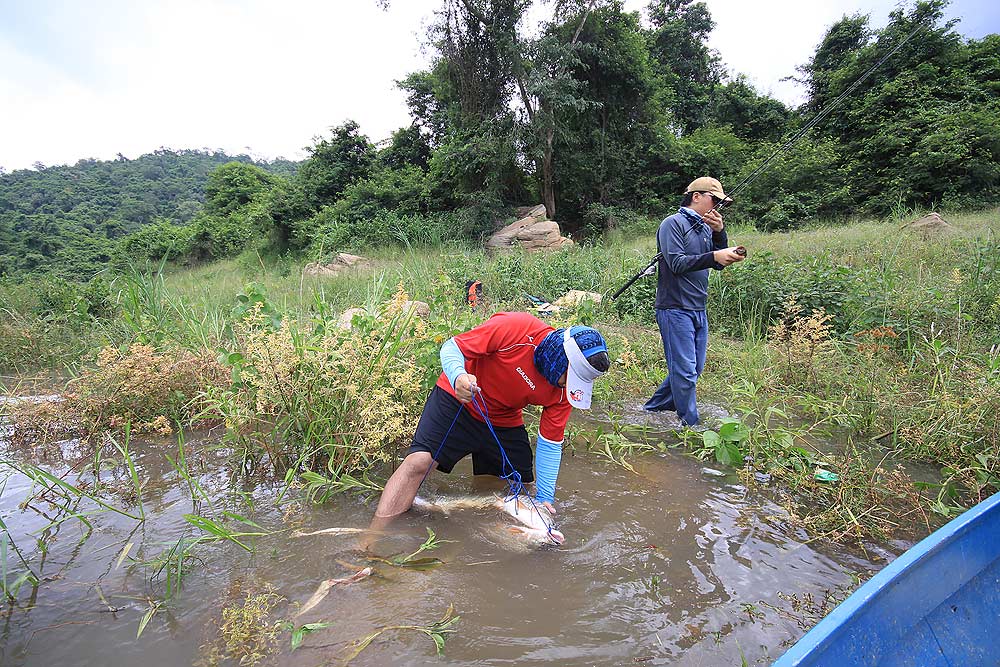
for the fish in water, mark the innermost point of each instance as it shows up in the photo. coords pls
(325, 587)
(536, 521)
(518, 538)
(446, 505)
(535, 537)
(330, 531)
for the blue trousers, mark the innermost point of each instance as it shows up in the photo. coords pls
(685, 337)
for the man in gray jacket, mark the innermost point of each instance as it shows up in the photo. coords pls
(691, 241)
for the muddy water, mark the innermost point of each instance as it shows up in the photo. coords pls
(668, 565)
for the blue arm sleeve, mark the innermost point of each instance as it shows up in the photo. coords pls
(452, 360)
(548, 455)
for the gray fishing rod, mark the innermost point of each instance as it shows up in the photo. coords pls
(791, 141)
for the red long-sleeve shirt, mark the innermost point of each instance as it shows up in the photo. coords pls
(501, 354)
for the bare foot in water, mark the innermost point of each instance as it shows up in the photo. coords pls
(376, 529)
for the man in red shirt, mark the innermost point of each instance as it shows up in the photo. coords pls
(510, 361)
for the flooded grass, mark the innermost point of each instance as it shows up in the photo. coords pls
(247, 635)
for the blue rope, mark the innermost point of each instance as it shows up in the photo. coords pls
(441, 446)
(515, 486)
(513, 478)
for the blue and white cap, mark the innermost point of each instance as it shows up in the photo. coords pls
(579, 343)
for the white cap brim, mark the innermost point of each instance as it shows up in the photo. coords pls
(580, 375)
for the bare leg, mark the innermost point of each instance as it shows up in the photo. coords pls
(399, 493)
(402, 487)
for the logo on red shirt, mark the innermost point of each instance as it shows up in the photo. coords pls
(526, 378)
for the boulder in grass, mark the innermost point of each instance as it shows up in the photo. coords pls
(929, 225)
(346, 320)
(418, 308)
(337, 265)
(537, 212)
(532, 231)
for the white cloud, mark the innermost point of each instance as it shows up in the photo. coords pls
(218, 75)
(768, 40)
(270, 76)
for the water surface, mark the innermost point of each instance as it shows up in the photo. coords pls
(667, 565)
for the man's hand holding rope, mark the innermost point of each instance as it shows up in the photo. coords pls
(466, 387)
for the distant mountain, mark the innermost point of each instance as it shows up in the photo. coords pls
(65, 219)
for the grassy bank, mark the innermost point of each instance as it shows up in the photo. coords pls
(882, 340)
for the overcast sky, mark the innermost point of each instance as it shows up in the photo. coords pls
(93, 79)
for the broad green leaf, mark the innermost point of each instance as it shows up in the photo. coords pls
(242, 519)
(728, 453)
(734, 432)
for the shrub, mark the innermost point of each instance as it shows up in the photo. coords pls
(215, 237)
(401, 190)
(980, 289)
(753, 294)
(313, 394)
(804, 183)
(161, 240)
(146, 388)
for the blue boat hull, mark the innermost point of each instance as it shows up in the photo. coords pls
(937, 605)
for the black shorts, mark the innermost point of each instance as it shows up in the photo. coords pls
(469, 436)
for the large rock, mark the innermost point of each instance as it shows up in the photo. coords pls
(930, 224)
(532, 231)
(420, 309)
(346, 320)
(537, 212)
(339, 264)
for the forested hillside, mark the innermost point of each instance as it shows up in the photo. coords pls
(603, 115)
(67, 219)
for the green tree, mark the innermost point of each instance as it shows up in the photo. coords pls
(837, 48)
(479, 56)
(752, 116)
(807, 182)
(689, 69)
(335, 163)
(606, 118)
(922, 130)
(426, 98)
(408, 147)
(550, 95)
(286, 206)
(234, 185)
